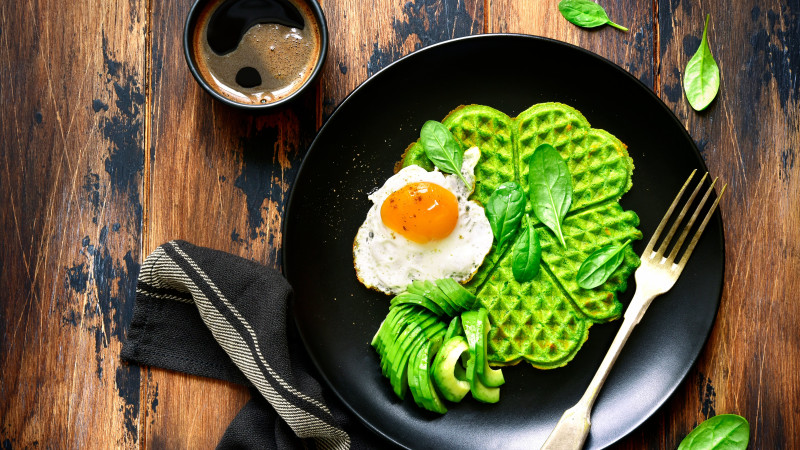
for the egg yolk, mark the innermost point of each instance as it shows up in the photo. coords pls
(421, 212)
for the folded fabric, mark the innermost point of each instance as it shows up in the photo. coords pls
(213, 314)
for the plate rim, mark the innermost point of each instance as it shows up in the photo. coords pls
(312, 148)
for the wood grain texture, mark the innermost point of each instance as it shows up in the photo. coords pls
(71, 84)
(217, 177)
(368, 35)
(749, 137)
(109, 148)
(632, 50)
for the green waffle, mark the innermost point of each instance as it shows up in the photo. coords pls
(585, 232)
(488, 129)
(535, 321)
(547, 320)
(599, 163)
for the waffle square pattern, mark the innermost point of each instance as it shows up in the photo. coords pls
(546, 321)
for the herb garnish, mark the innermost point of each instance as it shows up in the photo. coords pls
(586, 13)
(441, 148)
(600, 265)
(550, 186)
(728, 431)
(504, 211)
(526, 255)
(701, 77)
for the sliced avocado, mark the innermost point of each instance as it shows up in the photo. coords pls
(459, 371)
(431, 292)
(469, 322)
(378, 341)
(407, 318)
(409, 338)
(429, 398)
(397, 362)
(395, 350)
(385, 331)
(441, 297)
(436, 330)
(414, 381)
(405, 314)
(394, 325)
(475, 329)
(374, 341)
(399, 378)
(490, 377)
(415, 299)
(454, 329)
(472, 328)
(444, 369)
(404, 348)
(480, 391)
(464, 299)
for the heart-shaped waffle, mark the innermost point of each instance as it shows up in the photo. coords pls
(546, 321)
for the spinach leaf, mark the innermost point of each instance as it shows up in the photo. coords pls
(701, 77)
(586, 13)
(504, 211)
(526, 255)
(599, 266)
(725, 431)
(441, 148)
(550, 185)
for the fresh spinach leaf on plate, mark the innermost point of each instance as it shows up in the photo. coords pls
(599, 266)
(441, 148)
(550, 185)
(526, 255)
(504, 211)
(586, 13)
(701, 77)
(725, 431)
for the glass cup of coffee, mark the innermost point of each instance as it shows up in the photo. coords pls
(255, 54)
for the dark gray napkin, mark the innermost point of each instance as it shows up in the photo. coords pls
(213, 314)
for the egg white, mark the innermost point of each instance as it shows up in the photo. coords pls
(387, 261)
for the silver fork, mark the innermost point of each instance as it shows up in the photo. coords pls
(655, 276)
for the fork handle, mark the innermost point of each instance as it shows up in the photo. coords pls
(572, 429)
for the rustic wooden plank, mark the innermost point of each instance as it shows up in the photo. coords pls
(368, 35)
(217, 177)
(72, 133)
(749, 138)
(73, 148)
(632, 50)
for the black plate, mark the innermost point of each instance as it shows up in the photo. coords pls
(354, 153)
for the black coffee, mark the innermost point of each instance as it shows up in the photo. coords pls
(256, 51)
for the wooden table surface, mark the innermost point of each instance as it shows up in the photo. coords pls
(109, 148)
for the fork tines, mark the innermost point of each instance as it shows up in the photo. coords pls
(662, 248)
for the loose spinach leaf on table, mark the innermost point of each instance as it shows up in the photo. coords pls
(586, 13)
(441, 148)
(599, 266)
(550, 185)
(725, 431)
(504, 211)
(701, 77)
(526, 255)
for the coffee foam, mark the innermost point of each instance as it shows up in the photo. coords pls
(284, 57)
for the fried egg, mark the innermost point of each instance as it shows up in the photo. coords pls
(421, 226)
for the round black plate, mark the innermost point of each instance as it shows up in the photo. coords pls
(354, 154)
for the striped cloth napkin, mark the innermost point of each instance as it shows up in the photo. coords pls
(213, 314)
